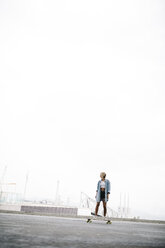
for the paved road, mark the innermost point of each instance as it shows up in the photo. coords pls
(47, 231)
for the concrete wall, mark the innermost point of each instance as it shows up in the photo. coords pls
(61, 211)
(10, 207)
(31, 208)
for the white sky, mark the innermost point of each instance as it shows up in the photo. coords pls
(82, 91)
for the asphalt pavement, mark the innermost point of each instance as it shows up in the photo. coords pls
(48, 231)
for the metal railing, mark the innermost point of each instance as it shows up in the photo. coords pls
(88, 202)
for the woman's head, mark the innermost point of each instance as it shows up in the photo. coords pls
(103, 175)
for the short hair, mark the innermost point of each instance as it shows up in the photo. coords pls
(103, 174)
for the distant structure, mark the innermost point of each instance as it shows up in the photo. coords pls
(2, 181)
(124, 209)
(57, 197)
(8, 192)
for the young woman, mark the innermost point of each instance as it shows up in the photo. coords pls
(102, 193)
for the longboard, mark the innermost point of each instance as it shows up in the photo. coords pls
(99, 217)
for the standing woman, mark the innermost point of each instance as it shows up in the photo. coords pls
(102, 193)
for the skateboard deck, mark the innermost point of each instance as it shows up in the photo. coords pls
(100, 218)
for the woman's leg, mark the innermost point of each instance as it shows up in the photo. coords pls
(97, 207)
(105, 208)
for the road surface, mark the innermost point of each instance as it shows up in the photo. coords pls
(18, 230)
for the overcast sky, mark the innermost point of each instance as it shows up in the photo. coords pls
(82, 90)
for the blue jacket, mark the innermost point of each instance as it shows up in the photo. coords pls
(107, 190)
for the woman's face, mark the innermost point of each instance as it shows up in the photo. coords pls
(102, 177)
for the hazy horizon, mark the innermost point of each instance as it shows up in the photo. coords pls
(82, 91)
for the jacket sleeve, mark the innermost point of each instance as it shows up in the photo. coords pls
(108, 187)
(97, 187)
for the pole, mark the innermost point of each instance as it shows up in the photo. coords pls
(57, 193)
(26, 181)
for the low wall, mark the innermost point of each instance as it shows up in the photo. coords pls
(10, 207)
(60, 211)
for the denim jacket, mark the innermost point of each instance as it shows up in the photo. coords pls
(107, 190)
